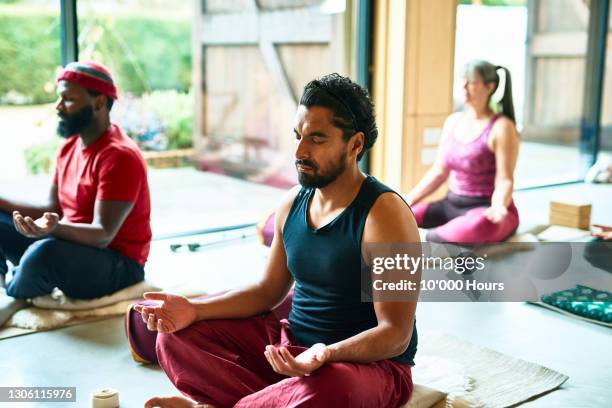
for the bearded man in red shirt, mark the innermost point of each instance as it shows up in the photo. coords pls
(93, 235)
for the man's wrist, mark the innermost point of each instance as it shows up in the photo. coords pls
(60, 227)
(333, 352)
(199, 309)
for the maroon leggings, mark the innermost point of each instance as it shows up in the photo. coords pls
(221, 362)
(461, 219)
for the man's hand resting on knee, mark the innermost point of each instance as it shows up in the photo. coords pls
(43, 226)
(605, 232)
(303, 364)
(174, 313)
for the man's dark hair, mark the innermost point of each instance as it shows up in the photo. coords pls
(109, 100)
(352, 108)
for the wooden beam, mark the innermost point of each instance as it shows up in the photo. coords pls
(277, 71)
(296, 26)
(413, 77)
(272, 60)
(394, 69)
(379, 85)
(563, 44)
(293, 26)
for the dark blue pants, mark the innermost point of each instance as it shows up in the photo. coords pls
(80, 271)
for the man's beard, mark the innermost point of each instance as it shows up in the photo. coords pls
(320, 180)
(74, 123)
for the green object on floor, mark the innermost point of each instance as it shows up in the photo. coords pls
(583, 301)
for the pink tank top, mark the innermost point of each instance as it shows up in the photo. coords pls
(471, 165)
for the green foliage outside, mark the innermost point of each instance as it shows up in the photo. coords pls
(172, 109)
(176, 112)
(30, 50)
(40, 158)
(150, 56)
(146, 53)
(160, 120)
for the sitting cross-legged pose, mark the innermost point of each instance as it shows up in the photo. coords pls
(92, 237)
(333, 350)
(478, 151)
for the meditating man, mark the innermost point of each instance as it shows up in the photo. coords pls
(92, 237)
(334, 350)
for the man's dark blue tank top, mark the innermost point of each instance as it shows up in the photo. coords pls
(326, 266)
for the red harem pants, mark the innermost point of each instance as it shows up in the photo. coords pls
(222, 363)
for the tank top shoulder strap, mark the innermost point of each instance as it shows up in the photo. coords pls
(298, 208)
(451, 137)
(369, 193)
(487, 130)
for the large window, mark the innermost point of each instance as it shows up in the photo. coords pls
(543, 43)
(253, 59)
(218, 80)
(29, 57)
(556, 62)
(147, 46)
(249, 61)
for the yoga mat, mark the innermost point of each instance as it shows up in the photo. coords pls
(476, 376)
(581, 302)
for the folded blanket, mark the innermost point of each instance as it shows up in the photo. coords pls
(57, 299)
(57, 310)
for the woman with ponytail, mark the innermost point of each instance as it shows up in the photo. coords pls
(478, 152)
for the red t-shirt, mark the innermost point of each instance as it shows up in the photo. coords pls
(110, 169)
